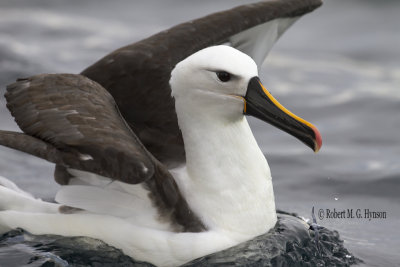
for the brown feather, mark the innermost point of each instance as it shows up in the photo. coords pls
(76, 115)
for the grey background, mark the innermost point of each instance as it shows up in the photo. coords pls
(337, 68)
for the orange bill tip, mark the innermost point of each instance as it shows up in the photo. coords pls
(318, 139)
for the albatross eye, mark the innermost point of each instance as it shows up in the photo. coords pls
(223, 76)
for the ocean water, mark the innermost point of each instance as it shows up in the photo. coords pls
(337, 67)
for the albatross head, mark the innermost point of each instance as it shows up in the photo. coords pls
(222, 83)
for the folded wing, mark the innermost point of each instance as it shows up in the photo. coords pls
(74, 122)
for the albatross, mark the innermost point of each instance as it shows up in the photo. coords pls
(151, 143)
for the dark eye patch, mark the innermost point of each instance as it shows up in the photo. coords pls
(223, 76)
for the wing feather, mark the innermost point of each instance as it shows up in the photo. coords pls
(76, 116)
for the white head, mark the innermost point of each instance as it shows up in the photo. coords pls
(217, 78)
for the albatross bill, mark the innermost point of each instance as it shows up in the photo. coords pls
(260, 103)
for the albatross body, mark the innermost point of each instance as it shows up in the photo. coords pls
(223, 160)
(207, 189)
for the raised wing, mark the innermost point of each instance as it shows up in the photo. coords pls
(74, 122)
(137, 76)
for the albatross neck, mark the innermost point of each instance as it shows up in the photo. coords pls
(228, 183)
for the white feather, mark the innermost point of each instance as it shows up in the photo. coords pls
(258, 41)
(11, 185)
(131, 207)
(14, 198)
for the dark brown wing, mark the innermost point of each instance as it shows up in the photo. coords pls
(77, 120)
(137, 75)
(74, 122)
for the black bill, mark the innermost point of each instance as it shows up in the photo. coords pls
(262, 105)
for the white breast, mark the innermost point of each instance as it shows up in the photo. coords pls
(227, 180)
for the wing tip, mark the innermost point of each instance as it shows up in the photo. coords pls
(29, 144)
